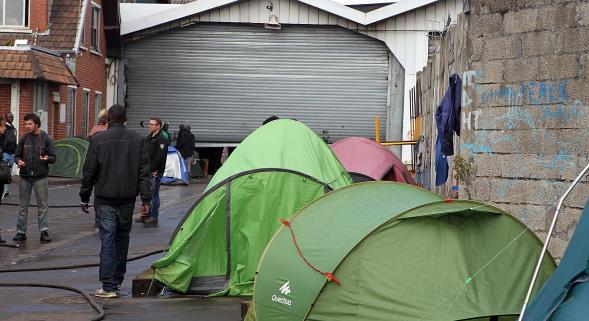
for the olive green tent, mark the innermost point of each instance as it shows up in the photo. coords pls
(275, 171)
(398, 253)
(71, 153)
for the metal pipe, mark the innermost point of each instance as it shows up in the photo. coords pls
(552, 225)
(402, 142)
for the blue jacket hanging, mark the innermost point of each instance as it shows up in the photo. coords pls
(448, 115)
(448, 123)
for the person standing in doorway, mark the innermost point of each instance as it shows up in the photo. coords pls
(157, 147)
(117, 168)
(33, 155)
(9, 146)
(185, 143)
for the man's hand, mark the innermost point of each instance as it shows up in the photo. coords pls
(44, 158)
(144, 208)
(154, 173)
(84, 207)
(20, 163)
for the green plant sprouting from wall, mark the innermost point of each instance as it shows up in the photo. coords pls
(463, 169)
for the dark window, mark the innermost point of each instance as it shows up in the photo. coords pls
(94, 33)
(97, 106)
(85, 109)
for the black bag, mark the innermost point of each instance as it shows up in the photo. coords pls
(5, 174)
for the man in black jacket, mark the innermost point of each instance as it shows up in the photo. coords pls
(117, 167)
(9, 145)
(33, 155)
(157, 146)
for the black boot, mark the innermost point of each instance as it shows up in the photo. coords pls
(45, 237)
(19, 237)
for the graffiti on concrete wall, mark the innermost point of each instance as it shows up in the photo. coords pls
(525, 118)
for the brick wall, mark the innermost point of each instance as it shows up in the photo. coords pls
(39, 15)
(91, 74)
(525, 125)
(5, 90)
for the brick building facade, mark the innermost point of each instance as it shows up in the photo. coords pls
(52, 62)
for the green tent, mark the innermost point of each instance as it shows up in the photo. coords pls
(71, 153)
(275, 171)
(399, 253)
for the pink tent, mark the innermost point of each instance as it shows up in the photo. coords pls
(365, 160)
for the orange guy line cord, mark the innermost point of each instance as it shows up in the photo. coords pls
(328, 275)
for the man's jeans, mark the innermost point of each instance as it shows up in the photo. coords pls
(26, 186)
(154, 209)
(114, 225)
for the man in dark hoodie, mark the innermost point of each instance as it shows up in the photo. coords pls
(33, 155)
(117, 168)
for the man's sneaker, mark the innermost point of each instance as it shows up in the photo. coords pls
(19, 237)
(141, 219)
(150, 222)
(45, 237)
(103, 294)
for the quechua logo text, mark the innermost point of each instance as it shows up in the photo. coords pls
(284, 290)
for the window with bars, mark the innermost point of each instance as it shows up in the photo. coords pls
(14, 13)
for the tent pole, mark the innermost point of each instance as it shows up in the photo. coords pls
(552, 225)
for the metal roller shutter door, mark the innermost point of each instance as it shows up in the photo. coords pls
(225, 79)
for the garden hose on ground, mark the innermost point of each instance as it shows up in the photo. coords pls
(77, 266)
(92, 303)
(49, 206)
(89, 299)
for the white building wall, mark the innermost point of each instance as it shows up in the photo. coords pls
(405, 35)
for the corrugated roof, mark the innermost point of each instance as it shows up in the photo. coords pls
(30, 63)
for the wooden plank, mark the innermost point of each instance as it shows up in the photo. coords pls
(234, 13)
(244, 12)
(293, 12)
(254, 11)
(322, 17)
(215, 15)
(313, 16)
(304, 14)
(224, 14)
(284, 11)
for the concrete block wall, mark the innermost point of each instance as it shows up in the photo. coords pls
(525, 125)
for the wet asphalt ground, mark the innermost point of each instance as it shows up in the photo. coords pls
(75, 241)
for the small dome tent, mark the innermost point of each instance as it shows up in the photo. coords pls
(395, 252)
(367, 160)
(71, 154)
(565, 296)
(275, 171)
(176, 168)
